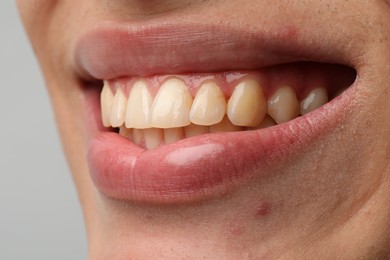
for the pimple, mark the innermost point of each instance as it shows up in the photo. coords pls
(262, 209)
(289, 33)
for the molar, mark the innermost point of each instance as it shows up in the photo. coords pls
(315, 99)
(171, 107)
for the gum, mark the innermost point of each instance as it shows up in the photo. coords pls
(302, 77)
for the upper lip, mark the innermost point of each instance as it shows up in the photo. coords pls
(111, 50)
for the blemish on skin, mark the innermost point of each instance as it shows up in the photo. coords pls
(289, 33)
(262, 209)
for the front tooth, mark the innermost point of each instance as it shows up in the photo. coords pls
(316, 98)
(194, 130)
(171, 107)
(283, 105)
(247, 105)
(172, 135)
(118, 109)
(106, 99)
(224, 126)
(153, 137)
(209, 105)
(138, 106)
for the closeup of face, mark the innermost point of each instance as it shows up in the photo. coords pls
(223, 129)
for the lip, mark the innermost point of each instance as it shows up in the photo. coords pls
(204, 166)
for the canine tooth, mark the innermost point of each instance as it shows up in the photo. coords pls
(153, 137)
(118, 109)
(138, 106)
(171, 107)
(106, 99)
(194, 130)
(126, 132)
(316, 98)
(209, 105)
(172, 135)
(247, 105)
(283, 105)
(138, 136)
(224, 126)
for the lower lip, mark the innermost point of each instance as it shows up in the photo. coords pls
(201, 167)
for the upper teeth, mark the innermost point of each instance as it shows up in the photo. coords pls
(173, 108)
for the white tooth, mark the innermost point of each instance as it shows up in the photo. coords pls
(171, 107)
(138, 136)
(194, 130)
(172, 135)
(118, 109)
(106, 99)
(283, 105)
(267, 122)
(247, 105)
(153, 137)
(126, 132)
(138, 106)
(316, 98)
(224, 126)
(209, 105)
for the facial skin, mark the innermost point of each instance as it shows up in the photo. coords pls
(327, 200)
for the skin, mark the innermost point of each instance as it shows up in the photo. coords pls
(331, 202)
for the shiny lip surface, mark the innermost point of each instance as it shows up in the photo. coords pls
(203, 166)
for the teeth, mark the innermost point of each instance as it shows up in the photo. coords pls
(209, 105)
(247, 105)
(172, 105)
(224, 126)
(126, 132)
(172, 135)
(138, 106)
(194, 130)
(138, 136)
(173, 114)
(118, 109)
(283, 105)
(153, 137)
(106, 99)
(316, 98)
(267, 122)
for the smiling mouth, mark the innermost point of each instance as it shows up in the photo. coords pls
(160, 110)
(188, 112)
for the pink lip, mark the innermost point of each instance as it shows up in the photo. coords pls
(198, 167)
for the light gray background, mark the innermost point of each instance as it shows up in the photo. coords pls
(40, 217)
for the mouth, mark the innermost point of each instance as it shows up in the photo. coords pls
(179, 120)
